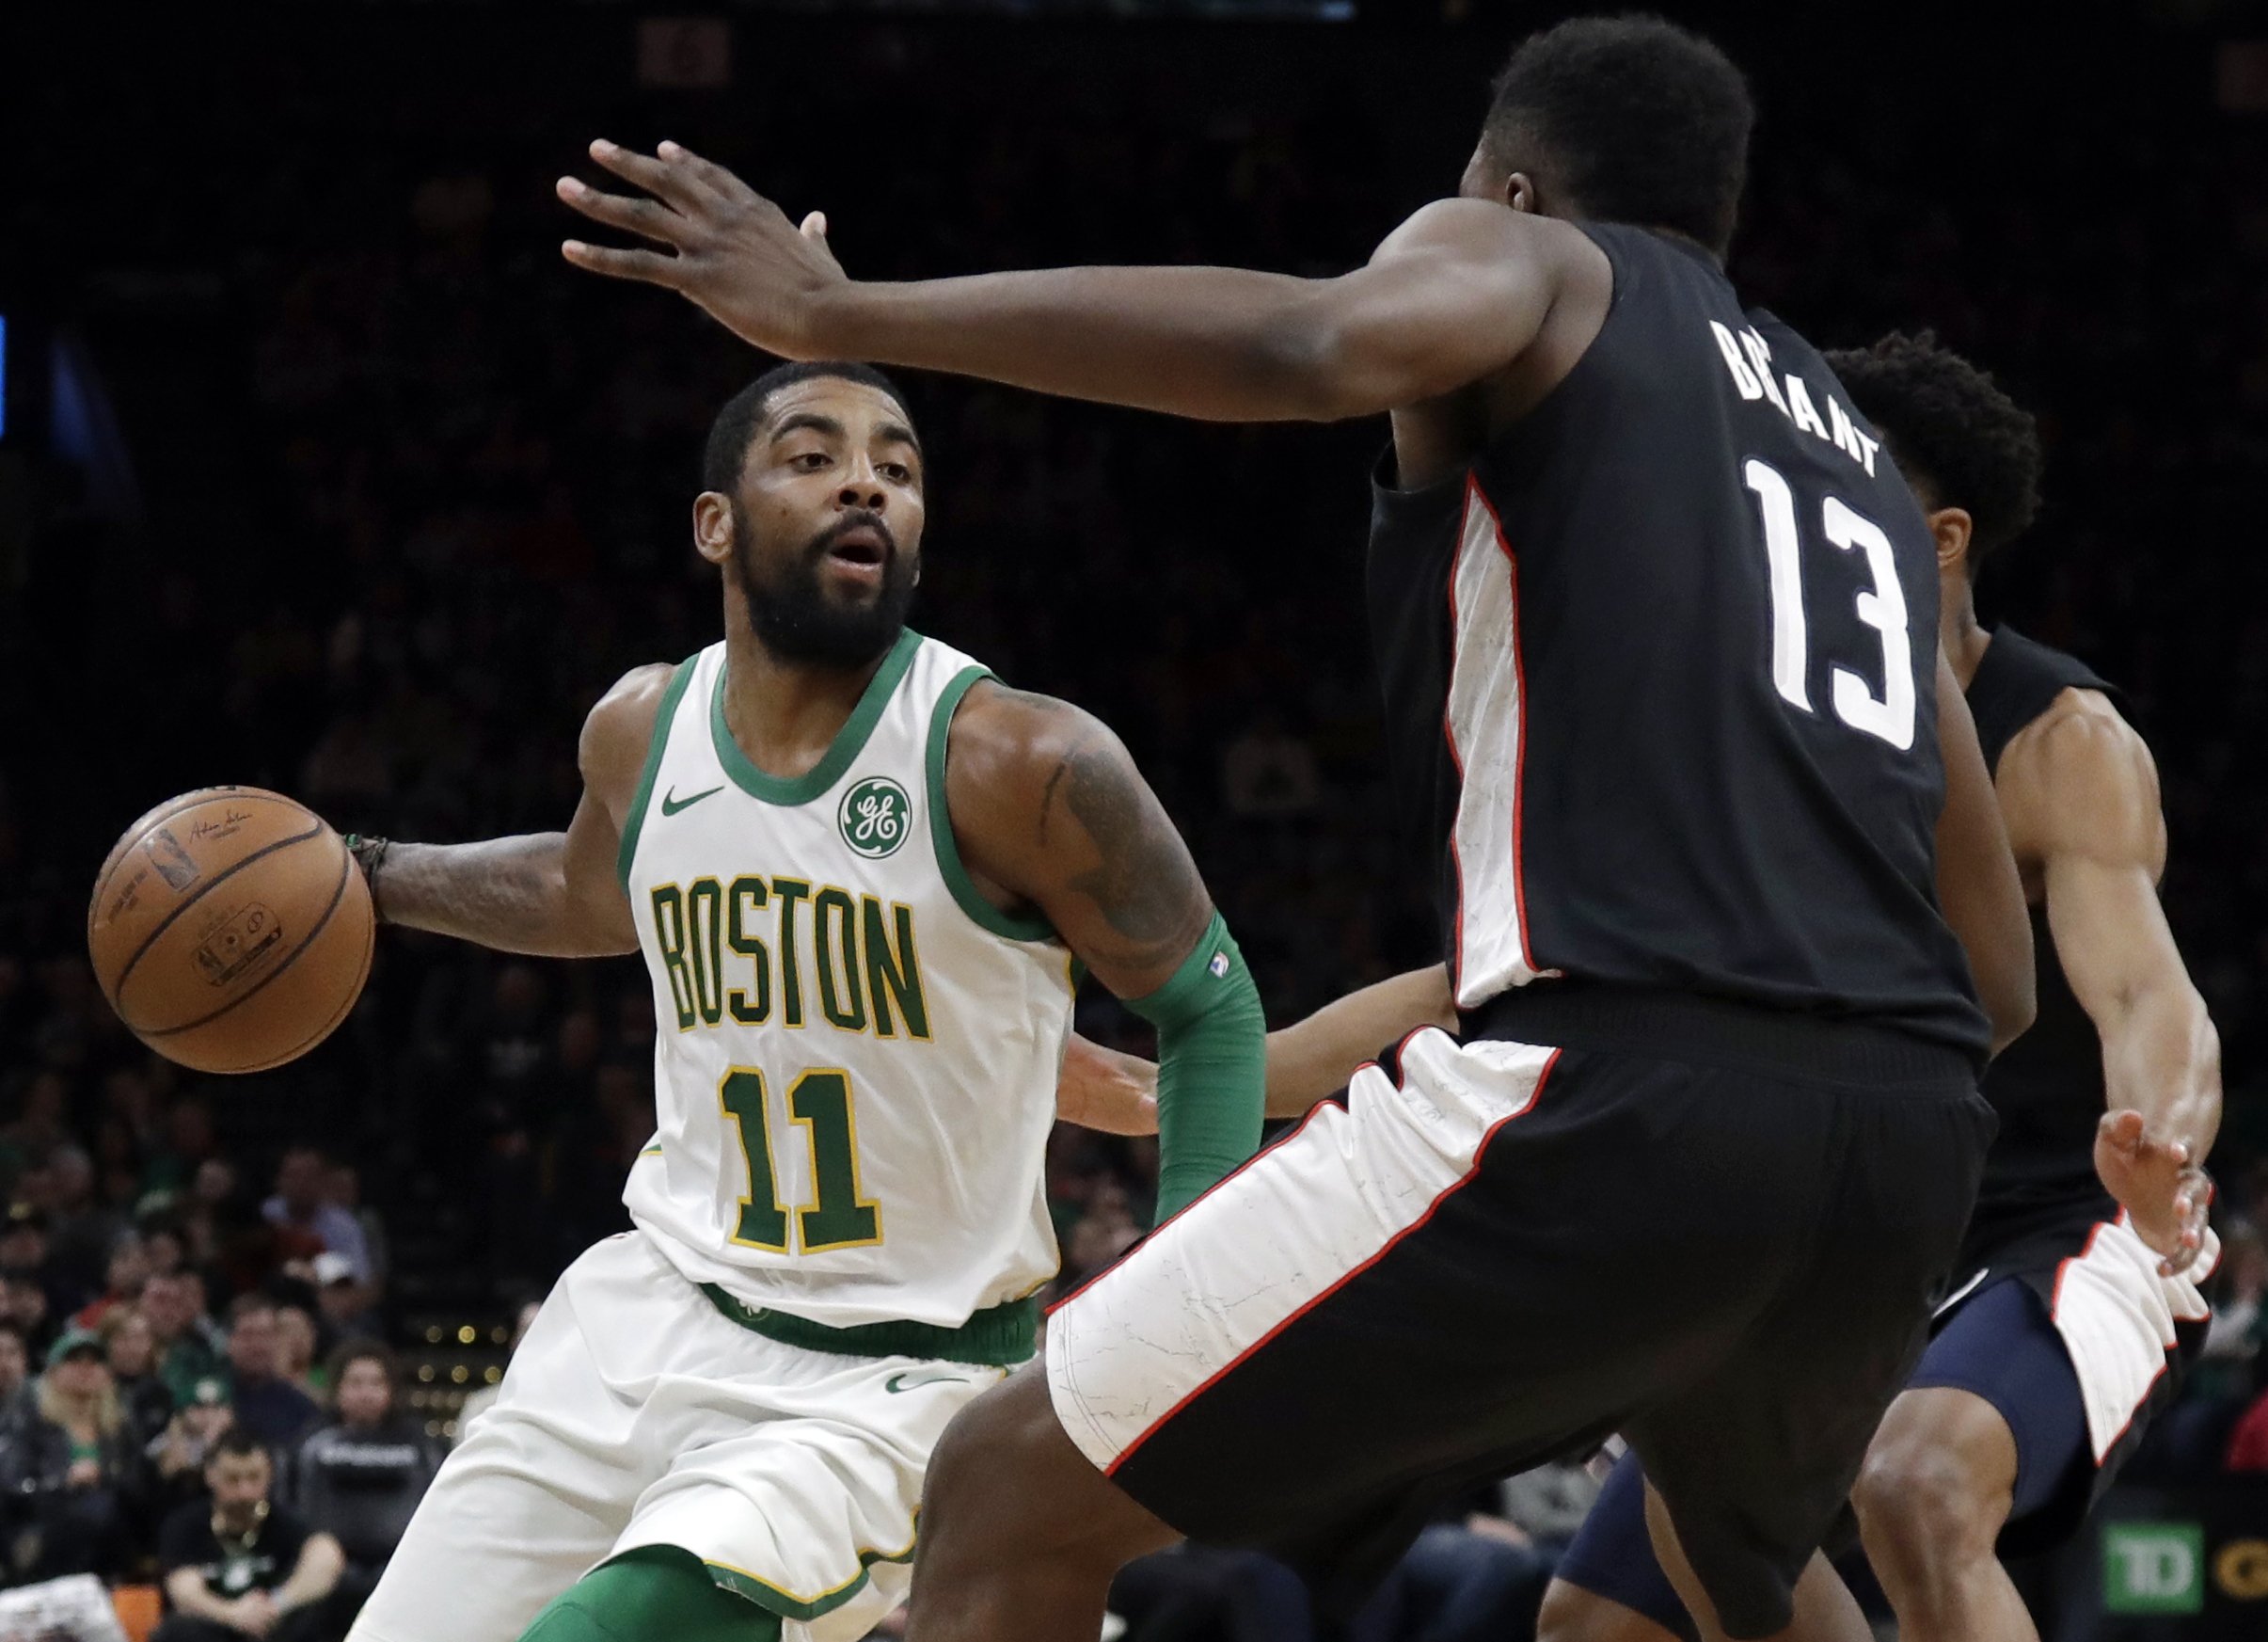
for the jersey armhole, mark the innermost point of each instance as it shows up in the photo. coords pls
(660, 738)
(982, 912)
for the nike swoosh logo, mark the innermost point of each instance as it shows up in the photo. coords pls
(672, 804)
(1961, 1293)
(893, 1384)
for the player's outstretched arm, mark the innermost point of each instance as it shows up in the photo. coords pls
(1452, 296)
(1312, 1057)
(1050, 814)
(554, 895)
(1978, 885)
(1102, 1089)
(2082, 793)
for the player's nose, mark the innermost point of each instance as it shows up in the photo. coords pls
(862, 486)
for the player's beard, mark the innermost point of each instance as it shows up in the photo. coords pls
(796, 620)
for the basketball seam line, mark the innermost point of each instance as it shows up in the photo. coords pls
(188, 802)
(370, 947)
(346, 866)
(119, 990)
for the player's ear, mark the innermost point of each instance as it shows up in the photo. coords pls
(1952, 528)
(1520, 194)
(713, 526)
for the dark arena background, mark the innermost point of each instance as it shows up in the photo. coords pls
(320, 471)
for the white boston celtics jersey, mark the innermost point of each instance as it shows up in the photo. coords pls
(856, 1053)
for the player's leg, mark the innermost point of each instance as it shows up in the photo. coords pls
(1379, 1308)
(1993, 1426)
(1017, 1527)
(533, 1497)
(1755, 1459)
(653, 1594)
(1937, 1485)
(1825, 1611)
(1608, 1586)
(793, 1480)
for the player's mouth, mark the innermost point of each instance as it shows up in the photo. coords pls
(860, 552)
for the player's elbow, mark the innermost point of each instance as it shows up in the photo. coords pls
(2011, 1004)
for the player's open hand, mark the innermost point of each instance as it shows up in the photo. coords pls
(729, 250)
(2165, 1195)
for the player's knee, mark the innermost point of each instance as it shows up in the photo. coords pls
(975, 1469)
(1566, 1615)
(1920, 1504)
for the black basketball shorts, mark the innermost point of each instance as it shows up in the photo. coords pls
(1497, 1252)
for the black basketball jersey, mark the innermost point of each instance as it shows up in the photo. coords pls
(1660, 677)
(2047, 1086)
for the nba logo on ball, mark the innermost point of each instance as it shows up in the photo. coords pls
(875, 817)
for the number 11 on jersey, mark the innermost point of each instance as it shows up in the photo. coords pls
(819, 1101)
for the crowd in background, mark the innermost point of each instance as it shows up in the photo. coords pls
(409, 494)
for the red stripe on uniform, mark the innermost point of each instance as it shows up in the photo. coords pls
(1480, 1152)
(1519, 750)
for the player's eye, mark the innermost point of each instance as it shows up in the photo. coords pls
(898, 472)
(811, 461)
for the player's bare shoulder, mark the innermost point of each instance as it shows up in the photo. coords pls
(612, 750)
(1048, 808)
(2080, 778)
(1008, 757)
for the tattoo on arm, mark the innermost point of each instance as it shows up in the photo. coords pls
(1145, 884)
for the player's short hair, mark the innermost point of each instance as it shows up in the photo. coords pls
(1952, 430)
(744, 412)
(1640, 120)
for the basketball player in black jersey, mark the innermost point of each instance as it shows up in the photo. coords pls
(1657, 621)
(2054, 1348)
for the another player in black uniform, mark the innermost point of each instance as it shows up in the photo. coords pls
(1658, 625)
(2053, 1351)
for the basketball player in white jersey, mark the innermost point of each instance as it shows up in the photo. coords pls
(862, 874)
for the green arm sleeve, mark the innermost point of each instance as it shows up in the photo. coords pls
(1213, 1067)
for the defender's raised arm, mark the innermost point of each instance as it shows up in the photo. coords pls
(1452, 296)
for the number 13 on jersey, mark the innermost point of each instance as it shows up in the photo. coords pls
(1889, 715)
(819, 1101)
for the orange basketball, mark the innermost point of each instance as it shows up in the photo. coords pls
(231, 929)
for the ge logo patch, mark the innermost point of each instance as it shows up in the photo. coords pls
(875, 817)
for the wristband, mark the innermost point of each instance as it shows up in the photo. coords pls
(370, 855)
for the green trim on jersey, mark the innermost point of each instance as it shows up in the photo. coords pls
(848, 742)
(786, 1604)
(999, 1336)
(957, 877)
(660, 738)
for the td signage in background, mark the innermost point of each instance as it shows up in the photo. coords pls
(2159, 1564)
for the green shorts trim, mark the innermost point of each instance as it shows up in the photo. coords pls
(1001, 1336)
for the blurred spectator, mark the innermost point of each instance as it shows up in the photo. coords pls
(87, 1519)
(177, 1455)
(189, 1347)
(480, 1398)
(268, 1407)
(133, 1354)
(344, 1185)
(17, 1401)
(1269, 773)
(360, 1477)
(82, 1232)
(310, 1221)
(238, 1564)
(343, 1302)
(23, 1303)
(124, 1275)
(189, 1143)
(297, 1341)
